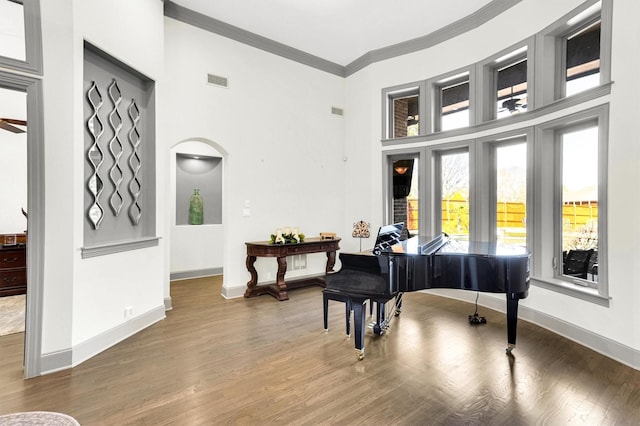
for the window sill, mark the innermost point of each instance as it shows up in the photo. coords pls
(579, 292)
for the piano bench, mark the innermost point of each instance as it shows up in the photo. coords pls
(328, 294)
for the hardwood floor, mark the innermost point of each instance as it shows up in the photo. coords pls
(259, 361)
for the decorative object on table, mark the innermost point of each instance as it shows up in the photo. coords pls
(9, 240)
(287, 236)
(361, 230)
(327, 235)
(196, 209)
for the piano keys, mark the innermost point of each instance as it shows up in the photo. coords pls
(421, 263)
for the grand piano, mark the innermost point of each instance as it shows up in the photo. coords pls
(395, 267)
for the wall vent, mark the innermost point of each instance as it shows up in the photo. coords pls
(217, 80)
(337, 111)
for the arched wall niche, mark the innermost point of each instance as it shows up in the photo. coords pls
(197, 250)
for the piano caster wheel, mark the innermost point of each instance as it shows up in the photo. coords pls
(510, 347)
(360, 354)
(326, 330)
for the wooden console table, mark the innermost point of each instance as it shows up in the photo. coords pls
(281, 251)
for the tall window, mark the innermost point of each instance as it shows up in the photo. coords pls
(454, 181)
(453, 103)
(579, 153)
(511, 90)
(511, 193)
(582, 59)
(404, 172)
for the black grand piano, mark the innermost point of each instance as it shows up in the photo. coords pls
(395, 267)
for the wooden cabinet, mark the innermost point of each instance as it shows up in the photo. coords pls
(13, 270)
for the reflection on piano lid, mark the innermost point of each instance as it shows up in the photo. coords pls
(388, 235)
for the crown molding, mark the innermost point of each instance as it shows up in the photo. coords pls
(461, 26)
(474, 20)
(215, 26)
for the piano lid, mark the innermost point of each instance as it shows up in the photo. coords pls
(425, 245)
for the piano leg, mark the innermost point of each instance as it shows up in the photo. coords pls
(347, 305)
(512, 320)
(359, 313)
(398, 304)
(380, 324)
(325, 311)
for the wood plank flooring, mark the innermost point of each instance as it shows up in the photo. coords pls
(260, 361)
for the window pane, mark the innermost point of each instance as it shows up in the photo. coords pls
(12, 36)
(583, 60)
(455, 106)
(512, 89)
(511, 194)
(580, 203)
(405, 194)
(405, 116)
(455, 194)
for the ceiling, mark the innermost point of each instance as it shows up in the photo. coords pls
(339, 31)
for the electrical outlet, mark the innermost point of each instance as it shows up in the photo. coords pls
(128, 312)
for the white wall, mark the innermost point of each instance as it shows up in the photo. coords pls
(84, 300)
(284, 147)
(620, 322)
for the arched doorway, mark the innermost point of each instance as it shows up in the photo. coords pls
(196, 249)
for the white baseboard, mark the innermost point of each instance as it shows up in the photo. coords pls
(233, 292)
(68, 358)
(185, 275)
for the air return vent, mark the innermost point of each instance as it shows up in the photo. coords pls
(217, 80)
(337, 111)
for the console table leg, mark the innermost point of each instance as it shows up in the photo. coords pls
(331, 261)
(253, 282)
(282, 287)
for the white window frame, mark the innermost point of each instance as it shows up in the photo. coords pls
(547, 208)
(434, 100)
(434, 184)
(487, 197)
(488, 70)
(551, 49)
(387, 183)
(405, 90)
